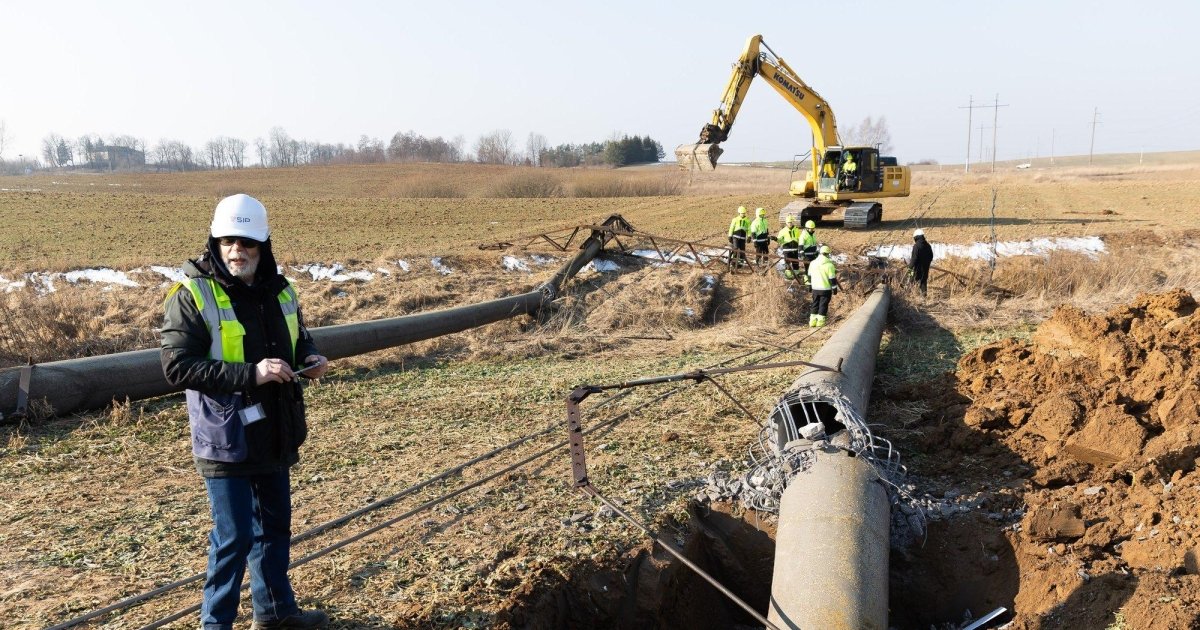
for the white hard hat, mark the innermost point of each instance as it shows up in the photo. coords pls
(918, 232)
(240, 215)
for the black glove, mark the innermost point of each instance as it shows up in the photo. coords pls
(834, 291)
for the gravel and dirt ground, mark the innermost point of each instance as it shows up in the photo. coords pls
(1046, 408)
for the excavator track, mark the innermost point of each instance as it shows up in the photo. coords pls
(860, 215)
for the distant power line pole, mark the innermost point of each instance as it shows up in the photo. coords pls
(995, 118)
(1092, 146)
(1052, 132)
(970, 107)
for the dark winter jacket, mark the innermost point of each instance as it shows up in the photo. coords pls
(265, 446)
(922, 255)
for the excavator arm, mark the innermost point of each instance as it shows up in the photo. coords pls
(759, 60)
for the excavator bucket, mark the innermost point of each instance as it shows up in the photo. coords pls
(700, 157)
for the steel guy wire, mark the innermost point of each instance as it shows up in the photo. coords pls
(324, 551)
(421, 508)
(323, 527)
(682, 558)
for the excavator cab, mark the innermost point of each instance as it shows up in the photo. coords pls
(849, 170)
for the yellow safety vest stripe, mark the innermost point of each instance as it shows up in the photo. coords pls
(226, 331)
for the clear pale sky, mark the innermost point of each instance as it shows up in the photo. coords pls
(578, 72)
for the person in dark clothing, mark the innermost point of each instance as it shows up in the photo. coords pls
(922, 257)
(233, 336)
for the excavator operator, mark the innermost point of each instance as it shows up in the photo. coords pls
(849, 173)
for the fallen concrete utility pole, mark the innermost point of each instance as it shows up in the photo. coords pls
(831, 548)
(93, 382)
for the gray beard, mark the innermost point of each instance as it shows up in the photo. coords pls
(247, 275)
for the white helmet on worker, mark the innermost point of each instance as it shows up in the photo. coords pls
(759, 212)
(812, 225)
(790, 220)
(240, 215)
(918, 232)
(825, 249)
(742, 210)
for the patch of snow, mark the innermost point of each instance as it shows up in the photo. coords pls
(689, 312)
(402, 264)
(442, 269)
(334, 273)
(512, 263)
(1092, 246)
(103, 276)
(171, 273)
(603, 266)
(383, 271)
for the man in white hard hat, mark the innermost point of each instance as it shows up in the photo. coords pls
(234, 337)
(922, 258)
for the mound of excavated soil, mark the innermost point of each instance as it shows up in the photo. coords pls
(1095, 424)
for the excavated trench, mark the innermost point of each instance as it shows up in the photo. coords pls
(966, 565)
(648, 588)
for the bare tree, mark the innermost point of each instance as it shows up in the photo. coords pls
(50, 146)
(534, 147)
(282, 149)
(260, 146)
(235, 152)
(459, 149)
(215, 151)
(495, 147)
(870, 133)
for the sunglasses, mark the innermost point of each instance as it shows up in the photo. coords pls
(247, 243)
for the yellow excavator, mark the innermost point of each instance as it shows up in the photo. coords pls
(841, 179)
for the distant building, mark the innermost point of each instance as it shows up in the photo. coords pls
(115, 157)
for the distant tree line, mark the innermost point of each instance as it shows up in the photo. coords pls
(278, 149)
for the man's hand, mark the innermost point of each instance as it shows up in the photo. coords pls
(320, 370)
(272, 371)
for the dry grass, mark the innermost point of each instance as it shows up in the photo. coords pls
(624, 184)
(527, 184)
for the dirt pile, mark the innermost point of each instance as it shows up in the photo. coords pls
(1094, 424)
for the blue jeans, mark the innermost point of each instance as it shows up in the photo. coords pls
(252, 523)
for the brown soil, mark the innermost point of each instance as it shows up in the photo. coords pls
(1093, 426)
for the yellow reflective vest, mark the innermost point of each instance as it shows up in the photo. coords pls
(223, 326)
(807, 239)
(821, 273)
(788, 235)
(739, 223)
(759, 226)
